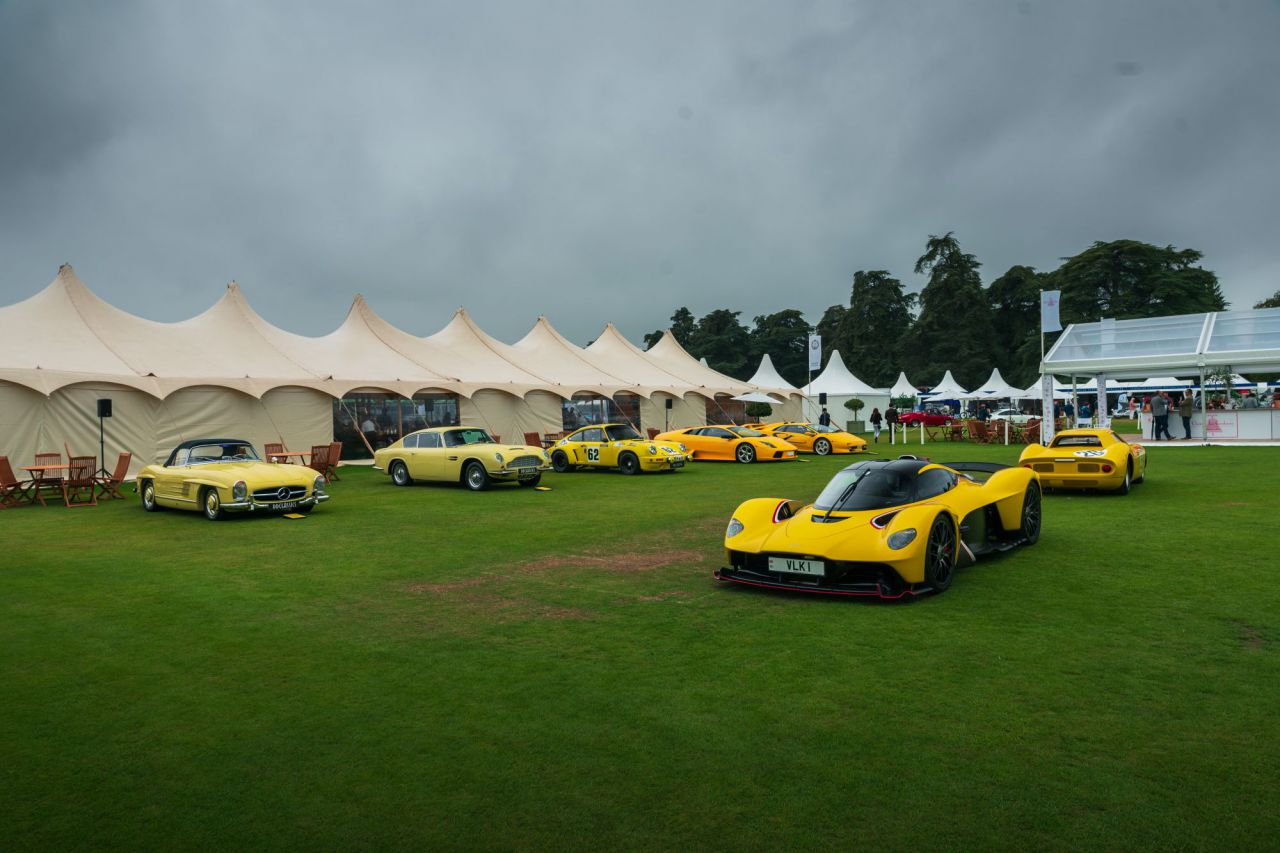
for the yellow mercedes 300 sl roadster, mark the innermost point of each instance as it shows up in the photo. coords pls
(221, 475)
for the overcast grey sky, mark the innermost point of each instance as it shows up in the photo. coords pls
(597, 161)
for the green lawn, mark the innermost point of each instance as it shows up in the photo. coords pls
(425, 668)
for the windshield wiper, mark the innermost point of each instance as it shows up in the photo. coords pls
(844, 496)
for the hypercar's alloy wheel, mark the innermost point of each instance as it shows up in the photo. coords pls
(1031, 514)
(529, 484)
(560, 462)
(476, 478)
(400, 474)
(629, 464)
(746, 453)
(212, 504)
(149, 496)
(822, 447)
(940, 554)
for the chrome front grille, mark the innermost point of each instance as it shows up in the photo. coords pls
(525, 462)
(279, 494)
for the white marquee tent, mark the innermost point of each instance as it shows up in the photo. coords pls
(995, 388)
(947, 389)
(839, 384)
(903, 387)
(228, 371)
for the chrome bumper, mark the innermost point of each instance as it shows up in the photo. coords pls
(250, 506)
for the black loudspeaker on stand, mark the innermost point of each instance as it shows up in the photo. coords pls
(104, 411)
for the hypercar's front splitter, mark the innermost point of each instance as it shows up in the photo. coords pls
(880, 592)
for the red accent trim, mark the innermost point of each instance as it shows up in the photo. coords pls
(777, 509)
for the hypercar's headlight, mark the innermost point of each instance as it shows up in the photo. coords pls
(902, 538)
(498, 456)
(239, 491)
(652, 450)
(735, 527)
(317, 487)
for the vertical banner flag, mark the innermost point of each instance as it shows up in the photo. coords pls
(815, 352)
(1049, 321)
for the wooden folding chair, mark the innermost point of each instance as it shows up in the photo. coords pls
(319, 459)
(653, 433)
(47, 482)
(1031, 432)
(80, 486)
(978, 432)
(109, 486)
(271, 451)
(533, 439)
(12, 490)
(335, 455)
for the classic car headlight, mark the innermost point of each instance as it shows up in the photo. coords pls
(239, 491)
(902, 538)
(318, 486)
(498, 456)
(683, 449)
(652, 450)
(735, 527)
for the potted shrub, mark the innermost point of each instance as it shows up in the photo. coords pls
(854, 405)
(758, 412)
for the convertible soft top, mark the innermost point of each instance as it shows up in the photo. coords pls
(197, 442)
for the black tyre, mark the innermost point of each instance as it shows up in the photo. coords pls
(628, 463)
(529, 484)
(746, 454)
(1127, 483)
(211, 502)
(940, 554)
(400, 474)
(822, 447)
(305, 510)
(475, 477)
(1031, 513)
(149, 496)
(560, 462)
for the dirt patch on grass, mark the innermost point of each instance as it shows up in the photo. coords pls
(1236, 503)
(624, 563)
(447, 587)
(1254, 636)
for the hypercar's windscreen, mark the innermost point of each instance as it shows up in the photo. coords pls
(865, 488)
(745, 432)
(621, 433)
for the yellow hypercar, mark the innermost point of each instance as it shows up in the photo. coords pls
(616, 445)
(466, 455)
(730, 443)
(1087, 459)
(884, 528)
(221, 475)
(815, 438)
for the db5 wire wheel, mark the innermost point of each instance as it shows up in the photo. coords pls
(400, 474)
(476, 478)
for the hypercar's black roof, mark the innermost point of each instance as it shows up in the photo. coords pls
(909, 467)
(197, 442)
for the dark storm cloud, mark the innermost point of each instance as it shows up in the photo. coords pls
(598, 162)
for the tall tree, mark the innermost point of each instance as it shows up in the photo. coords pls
(879, 315)
(833, 329)
(682, 326)
(1272, 301)
(953, 331)
(1124, 279)
(1015, 319)
(723, 342)
(784, 337)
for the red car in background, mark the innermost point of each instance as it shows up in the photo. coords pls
(930, 417)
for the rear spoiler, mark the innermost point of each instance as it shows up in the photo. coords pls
(984, 467)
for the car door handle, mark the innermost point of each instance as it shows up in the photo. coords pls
(453, 459)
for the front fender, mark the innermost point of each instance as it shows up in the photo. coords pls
(758, 517)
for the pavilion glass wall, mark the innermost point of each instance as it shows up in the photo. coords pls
(384, 418)
(586, 408)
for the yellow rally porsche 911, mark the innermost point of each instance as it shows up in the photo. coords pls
(884, 528)
(1087, 459)
(221, 475)
(815, 438)
(466, 455)
(616, 446)
(730, 444)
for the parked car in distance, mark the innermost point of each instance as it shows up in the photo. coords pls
(466, 455)
(1014, 416)
(929, 417)
(729, 443)
(616, 446)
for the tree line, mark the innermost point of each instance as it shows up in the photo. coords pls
(955, 322)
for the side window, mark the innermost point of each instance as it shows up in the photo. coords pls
(933, 482)
(411, 441)
(429, 439)
(592, 435)
(716, 432)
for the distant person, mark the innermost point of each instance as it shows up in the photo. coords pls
(891, 418)
(1069, 409)
(1185, 407)
(1133, 408)
(1159, 416)
(825, 417)
(1250, 401)
(876, 420)
(984, 414)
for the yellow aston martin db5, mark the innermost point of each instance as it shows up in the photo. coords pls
(466, 455)
(221, 475)
(616, 446)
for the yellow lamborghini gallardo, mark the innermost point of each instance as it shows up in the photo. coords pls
(884, 528)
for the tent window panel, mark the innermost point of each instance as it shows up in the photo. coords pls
(382, 419)
(628, 407)
(585, 409)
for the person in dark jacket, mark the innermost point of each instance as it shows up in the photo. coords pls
(825, 417)
(1159, 416)
(876, 420)
(1186, 406)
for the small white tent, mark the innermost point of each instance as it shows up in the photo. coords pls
(947, 389)
(840, 385)
(903, 387)
(995, 388)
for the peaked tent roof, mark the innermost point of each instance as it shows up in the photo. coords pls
(948, 388)
(903, 387)
(767, 376)
(994, 388)
(553, 353)
(676, 360)
(836, 379)
(621, 357)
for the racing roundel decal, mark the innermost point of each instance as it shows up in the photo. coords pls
(1089, 453)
